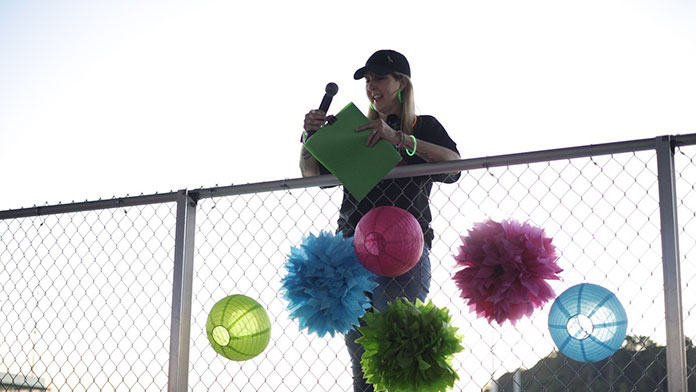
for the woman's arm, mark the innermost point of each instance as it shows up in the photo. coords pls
(308, 164)
(314, 119)
(430, 152)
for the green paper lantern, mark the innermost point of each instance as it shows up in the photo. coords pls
(238, 328)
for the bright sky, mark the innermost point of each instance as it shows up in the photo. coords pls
(102, 98)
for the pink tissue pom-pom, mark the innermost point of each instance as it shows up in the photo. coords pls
(506, 266)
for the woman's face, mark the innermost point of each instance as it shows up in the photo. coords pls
(382, 92)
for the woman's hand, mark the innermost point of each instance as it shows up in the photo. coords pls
(379, 130)
(314, 120)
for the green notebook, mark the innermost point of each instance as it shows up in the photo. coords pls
(343, 152)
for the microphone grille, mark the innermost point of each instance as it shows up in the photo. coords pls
(331, 89)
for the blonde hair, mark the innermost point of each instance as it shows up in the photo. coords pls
(408, 106)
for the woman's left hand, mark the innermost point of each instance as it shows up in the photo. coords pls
(379, 130)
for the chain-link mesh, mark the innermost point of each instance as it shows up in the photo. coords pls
(602, 213)
(685, 162)
(87, 296)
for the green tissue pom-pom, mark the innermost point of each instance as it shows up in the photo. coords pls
(409, 348)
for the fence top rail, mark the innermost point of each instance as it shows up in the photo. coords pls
(117, 202)
(330, 180)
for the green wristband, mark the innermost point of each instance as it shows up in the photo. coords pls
(415, 145)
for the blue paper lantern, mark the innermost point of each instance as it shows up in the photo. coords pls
(587, 323)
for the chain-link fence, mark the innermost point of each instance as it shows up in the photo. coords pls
(112, 295)
(86, 298)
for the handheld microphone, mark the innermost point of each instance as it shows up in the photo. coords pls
(331, 90)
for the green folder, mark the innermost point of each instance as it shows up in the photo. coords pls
(344, 153)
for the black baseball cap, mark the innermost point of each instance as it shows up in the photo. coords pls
(384, 62)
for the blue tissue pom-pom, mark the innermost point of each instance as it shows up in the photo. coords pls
(326, 286)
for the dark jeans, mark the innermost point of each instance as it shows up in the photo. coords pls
(411, 285)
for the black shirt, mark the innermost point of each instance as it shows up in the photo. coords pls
(410, 193)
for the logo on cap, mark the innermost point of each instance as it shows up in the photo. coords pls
(390, 59)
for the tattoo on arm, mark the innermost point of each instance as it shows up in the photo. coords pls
(308, 165)
(306, 154)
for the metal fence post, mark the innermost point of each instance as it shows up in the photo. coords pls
(676, 351)
(181, 297)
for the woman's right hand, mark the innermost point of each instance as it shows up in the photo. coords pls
(314, 120)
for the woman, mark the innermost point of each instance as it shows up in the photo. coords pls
(419, 139)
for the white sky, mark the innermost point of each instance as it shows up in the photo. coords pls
(102, 99)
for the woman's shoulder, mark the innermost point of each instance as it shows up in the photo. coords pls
(426, 119)
(426, 122)
(429, 129)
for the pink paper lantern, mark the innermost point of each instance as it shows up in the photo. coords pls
(388, 241)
